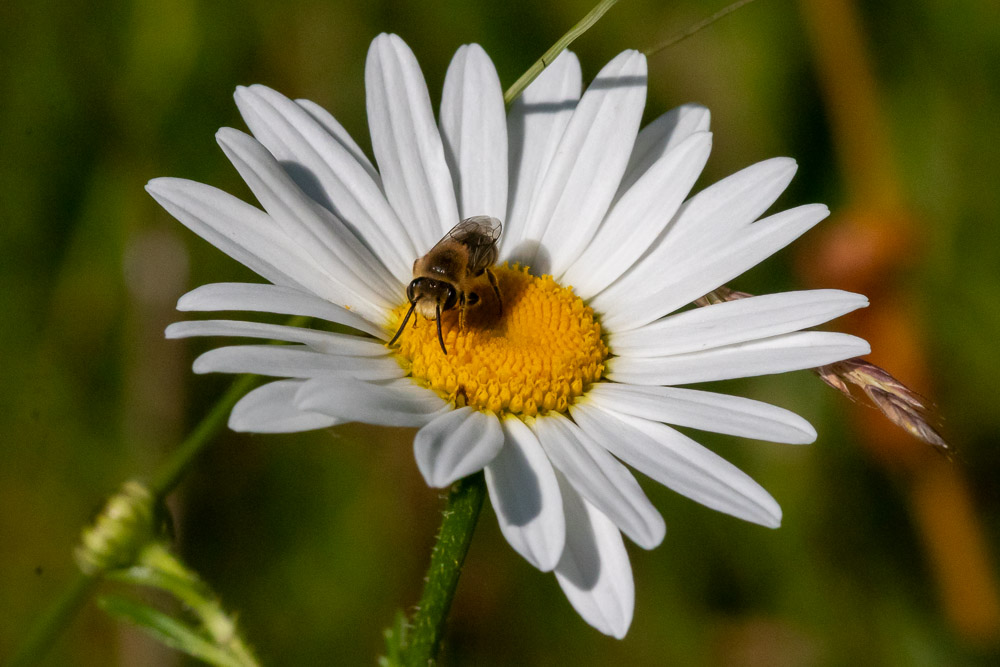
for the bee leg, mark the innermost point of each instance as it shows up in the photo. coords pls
(440, 335)
(496, 288)
(465, 300)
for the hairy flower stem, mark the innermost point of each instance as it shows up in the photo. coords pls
(459, 522)
(467, 495)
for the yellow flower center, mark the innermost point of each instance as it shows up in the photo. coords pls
(539, 354)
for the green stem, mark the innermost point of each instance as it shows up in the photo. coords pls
(163, 481)
(581, 27)
(430, 617)
(467, 495)
(43, 635)
(460, 517)
(172, 470)
(185, 584)
(692, 29)
(73, 598)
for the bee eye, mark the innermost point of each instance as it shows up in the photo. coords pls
(451, 299)
(409, 291)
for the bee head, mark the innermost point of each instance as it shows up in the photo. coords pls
(429, 295)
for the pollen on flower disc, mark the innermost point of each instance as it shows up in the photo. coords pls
(539, 354)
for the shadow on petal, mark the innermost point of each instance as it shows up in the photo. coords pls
(308, 182)
(519, 508)
(532, 254)
(581, 561)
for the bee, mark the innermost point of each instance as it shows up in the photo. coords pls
(445, 277)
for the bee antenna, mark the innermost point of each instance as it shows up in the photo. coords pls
(403, 325)
(440, 336)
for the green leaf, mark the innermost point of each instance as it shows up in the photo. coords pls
(140, 575)
(168, 630)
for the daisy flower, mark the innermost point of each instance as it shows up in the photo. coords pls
(579, 372)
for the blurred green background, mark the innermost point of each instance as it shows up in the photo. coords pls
(317, 539)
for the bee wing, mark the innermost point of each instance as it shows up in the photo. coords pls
(480, 235)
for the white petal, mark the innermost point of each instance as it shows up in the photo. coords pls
(588, 165)
(456, 444)
(779, 354)
(680, 463)
(705, 225)
(526, 497)
(322, 159)
(407, 144)
(703, 271)
(400, 403)
(321, 341)
(271, 409)
(474, 132)
(535, 125)
(322, 234)
(600, 479)
(732, 203)
(273, 299)
(342, 136)
(594, 571)
(704, 410)
(662, 136)
(243, 232)
(638, 217)
(735, 322)
(294, 361)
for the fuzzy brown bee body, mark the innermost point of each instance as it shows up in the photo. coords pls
(445, 277)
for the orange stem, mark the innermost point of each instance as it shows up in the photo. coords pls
(867, 252)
